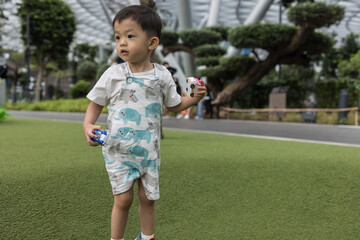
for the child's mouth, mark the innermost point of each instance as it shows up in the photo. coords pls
(124, 52)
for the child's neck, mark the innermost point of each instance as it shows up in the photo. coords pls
(141, 67)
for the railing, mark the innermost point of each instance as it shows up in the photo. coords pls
(278, 110)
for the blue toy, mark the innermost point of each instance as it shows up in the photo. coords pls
(101, 136)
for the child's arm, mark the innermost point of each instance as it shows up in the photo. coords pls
(92, 114)
(188, 101)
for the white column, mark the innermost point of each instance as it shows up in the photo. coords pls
(213, 13)
(257, 14)
(185, 22)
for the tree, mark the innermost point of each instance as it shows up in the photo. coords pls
(283, 45)
(349, 72)
(85, 51)
(331, 78)
(52, 26)
(87, 71)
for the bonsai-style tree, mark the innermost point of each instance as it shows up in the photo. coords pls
(52, 26)
(282, 44)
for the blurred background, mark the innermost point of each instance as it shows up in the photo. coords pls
(288, 54)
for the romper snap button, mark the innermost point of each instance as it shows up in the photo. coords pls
(129, 80)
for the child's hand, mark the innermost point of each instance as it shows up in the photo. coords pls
(88, 128)
(201, 91)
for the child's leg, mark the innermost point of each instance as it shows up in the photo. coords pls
(146, 212)
(119, 216)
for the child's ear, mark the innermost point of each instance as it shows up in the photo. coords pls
(153, 43)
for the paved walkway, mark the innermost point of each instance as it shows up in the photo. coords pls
(327, 134)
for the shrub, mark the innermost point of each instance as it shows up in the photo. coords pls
(320, 14)
(86, 70)
(293, 117)
(327, 118)
(208, 61)
(222, 30)
(209, 50)
(194, 38)
(169, 38)
(62, 105)
(80, 89)
(261, 35)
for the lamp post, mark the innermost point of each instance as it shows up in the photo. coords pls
(27, 56)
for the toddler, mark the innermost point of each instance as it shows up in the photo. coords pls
(134, 92)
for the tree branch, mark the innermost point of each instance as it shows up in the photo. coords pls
(299, 38)
(256, 55)
(175, 48)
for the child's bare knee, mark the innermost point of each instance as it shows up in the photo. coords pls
(124, 200)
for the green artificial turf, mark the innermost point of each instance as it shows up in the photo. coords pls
(53, 186)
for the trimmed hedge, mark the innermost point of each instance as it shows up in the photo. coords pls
(63, 105)
(318, 14)
(194, 38)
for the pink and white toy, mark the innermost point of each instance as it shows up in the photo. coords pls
(191, 85)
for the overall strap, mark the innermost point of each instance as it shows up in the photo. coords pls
(125, 68)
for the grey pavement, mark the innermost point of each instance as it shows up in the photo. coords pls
(328, 134)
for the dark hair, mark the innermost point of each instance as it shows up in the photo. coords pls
(147, 18)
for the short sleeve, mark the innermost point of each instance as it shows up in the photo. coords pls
(171, 97)
(99, 94)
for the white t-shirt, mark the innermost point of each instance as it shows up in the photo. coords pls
(108, 86)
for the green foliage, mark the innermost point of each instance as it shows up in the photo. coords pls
(85, 51)
(212, 71)
(318, 43)
(87, 70)
(80, 89)
(194, 38)
(208, 50)
(338, 73)
(267, 36)
(350, 68)
(328, 91)
(318, 14)
(237, 64)
(349, 46)
(228, 67)
(208, 61)
(3, 114)
(169, 38)
(52, 26)
(327, 118)
(222, 30)
(101, 69)
(60, 105)
(331, 60)
(299, 79)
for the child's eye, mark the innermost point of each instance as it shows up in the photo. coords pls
(131, 36)
(117, 37)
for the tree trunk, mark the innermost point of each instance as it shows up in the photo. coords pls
(254, 75)
(39, 80)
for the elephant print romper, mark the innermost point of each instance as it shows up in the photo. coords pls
(134, 102)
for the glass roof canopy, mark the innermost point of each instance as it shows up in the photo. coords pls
(94, 18)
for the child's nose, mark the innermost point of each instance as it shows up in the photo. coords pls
(122, 42)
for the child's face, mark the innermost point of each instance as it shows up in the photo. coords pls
(133, 45)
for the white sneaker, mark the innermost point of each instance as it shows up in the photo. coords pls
(187, 116)
(179, 116)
